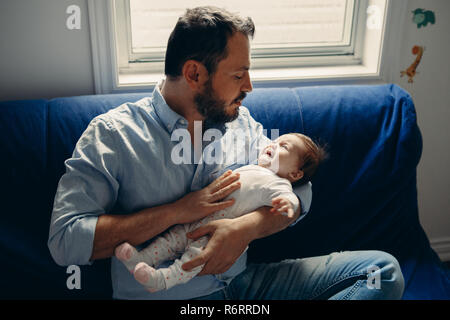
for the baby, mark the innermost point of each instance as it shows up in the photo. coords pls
(292, 158)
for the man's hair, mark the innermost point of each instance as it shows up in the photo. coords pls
(314, 156)
(202, 34)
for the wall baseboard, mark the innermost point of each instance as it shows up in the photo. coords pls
(442, 247)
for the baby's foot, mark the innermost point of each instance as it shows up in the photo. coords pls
(125, 253)
(149, 277)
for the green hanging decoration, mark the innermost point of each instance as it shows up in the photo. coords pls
(422, 17)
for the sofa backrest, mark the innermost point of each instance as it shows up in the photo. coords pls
(364, 194)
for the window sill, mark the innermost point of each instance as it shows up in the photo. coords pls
(266, 77)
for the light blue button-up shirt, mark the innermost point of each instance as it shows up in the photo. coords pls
(123, 163)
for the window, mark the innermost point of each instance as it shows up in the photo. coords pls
(284, 28)
(294, 39)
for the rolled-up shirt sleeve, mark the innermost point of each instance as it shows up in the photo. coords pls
(88, 189)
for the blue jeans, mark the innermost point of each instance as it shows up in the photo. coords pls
(349, 275)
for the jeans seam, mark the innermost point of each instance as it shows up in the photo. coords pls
(352, 290)
(226, 293)
(233, 292)
(336, 281)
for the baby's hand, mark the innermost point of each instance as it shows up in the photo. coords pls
(283, 206)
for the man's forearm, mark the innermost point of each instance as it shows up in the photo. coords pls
(230, 237)
(136, 228)
(112, 230)
(262, 223)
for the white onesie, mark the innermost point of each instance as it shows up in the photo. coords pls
(258, 187)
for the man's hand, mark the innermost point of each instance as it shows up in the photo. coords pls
(227, 242)
(198, 204)
(230, 237)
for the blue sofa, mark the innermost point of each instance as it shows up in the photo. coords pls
(364, 195)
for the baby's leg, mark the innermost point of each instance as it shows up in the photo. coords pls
(166, 278)
(127, 254)
(162, 248)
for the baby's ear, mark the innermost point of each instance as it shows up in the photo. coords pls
(296, 175)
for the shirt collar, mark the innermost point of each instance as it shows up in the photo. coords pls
(168, 117)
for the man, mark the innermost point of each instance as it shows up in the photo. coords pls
(123, 162)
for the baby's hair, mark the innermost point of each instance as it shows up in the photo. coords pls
(315, 155)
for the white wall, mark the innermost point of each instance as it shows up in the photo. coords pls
(431, 94)
(41, 58)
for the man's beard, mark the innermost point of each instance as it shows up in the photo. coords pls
(213, 109)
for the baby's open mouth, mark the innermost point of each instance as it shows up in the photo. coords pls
(270, 152)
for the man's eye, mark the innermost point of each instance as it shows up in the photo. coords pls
(284, 146)
(237, 77)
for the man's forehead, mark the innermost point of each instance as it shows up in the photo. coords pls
(236, 62)
(238, 57)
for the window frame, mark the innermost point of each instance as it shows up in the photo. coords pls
(114, 73)
(348, 52)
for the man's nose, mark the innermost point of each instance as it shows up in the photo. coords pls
(247, 86)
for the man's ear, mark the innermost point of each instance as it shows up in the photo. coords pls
(195, 74)
(296, 175)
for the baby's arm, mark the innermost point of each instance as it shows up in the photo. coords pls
(282, 199)
(282, 205)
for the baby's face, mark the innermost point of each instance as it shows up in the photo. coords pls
(283, 156)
